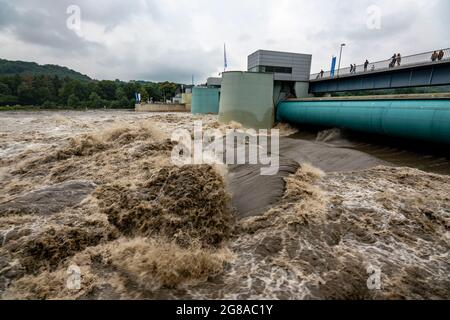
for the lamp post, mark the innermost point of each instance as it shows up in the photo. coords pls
(340, 57)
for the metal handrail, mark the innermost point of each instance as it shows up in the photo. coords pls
(417, 59)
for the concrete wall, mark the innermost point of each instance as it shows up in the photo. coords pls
(186, 98)
(205, 100)
(149, 107)
(302, 89)
(247, 98)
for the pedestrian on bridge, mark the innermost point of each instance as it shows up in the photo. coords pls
(399, 59)
(393, 61)
(434, 56)
(366, 65)
(441, 55)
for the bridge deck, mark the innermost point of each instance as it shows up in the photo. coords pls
(417, 60)
(412, 72)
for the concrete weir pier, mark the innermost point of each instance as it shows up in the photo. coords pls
(205, 100)
(278, 86)
(247, 98)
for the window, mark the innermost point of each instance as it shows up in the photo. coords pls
(273, 69)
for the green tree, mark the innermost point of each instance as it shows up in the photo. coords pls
(106, 104)
(49, 104)
(8, 100)
(73, 101)
(168, 89)
(120, 94)
(115, 104)
(25, 93)
(78, 88)
(144, 95)
(154, 92)
(124, 103)
(107, 89)
(4, 89)
(57, 85)
(95, 101)
(130, 89)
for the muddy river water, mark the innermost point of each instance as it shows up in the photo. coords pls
(347, 217)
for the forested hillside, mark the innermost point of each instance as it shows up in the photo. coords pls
(28, 84)
(8, 68)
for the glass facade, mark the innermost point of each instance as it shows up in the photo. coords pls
(271, 69)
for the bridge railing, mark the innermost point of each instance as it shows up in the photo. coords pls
(417, 59)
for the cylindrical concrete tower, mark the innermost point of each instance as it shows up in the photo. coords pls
(247, 98)
(205, 100)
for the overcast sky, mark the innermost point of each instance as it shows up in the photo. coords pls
(172, 39)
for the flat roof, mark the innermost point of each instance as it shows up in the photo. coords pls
(281, 52)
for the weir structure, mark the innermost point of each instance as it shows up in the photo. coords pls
(279, 86)
(423, 118)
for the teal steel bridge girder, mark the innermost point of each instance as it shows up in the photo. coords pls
(436, 74)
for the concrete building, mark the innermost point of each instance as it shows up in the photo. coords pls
(291, 71)
(250, 97)
(214, 82)
(285, 66)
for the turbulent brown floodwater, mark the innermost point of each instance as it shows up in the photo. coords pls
(400, 152)
(97, 190)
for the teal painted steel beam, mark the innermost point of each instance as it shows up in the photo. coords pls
(417, 76)
(427, 120)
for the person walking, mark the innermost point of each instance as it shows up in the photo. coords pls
(366, 65)
(321, 73)
(393, 61)
(399, 59)
(351, 68)
(434, 56)
(441, 55)
(354, 68)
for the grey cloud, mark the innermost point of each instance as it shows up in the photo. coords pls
(7, 14)
(181, 65)
(106, 12)
(42, 26)
(159, 40)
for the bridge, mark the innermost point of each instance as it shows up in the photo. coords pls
(414, 71)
